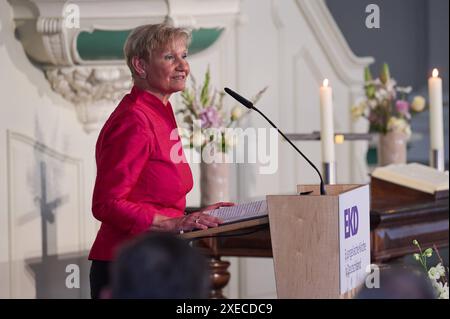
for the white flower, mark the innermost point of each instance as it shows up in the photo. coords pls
(236, 113)
(372, 103)
(183, 132)
(382, 94)
(197, 139)
(418, 103)
(440, 288)
(433, 273)
(400, 125)
(184, 136)
(185, 141)
(358, 110)
(377, 81)
(437, 285)
(390, 86)
(440, 269)
(406, 89)
(444, 292)
(230, 139)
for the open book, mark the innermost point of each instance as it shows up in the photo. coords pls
(414, 175)
(241, 212)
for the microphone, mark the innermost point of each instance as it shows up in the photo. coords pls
(250, 106)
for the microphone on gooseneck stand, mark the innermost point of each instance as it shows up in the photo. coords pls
(250, 105)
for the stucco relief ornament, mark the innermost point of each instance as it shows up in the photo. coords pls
(94, 91)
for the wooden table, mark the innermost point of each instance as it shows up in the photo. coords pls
(397, 217)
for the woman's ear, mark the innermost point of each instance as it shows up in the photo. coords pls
(139, 67)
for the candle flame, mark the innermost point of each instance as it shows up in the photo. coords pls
(325, 82)
(339, 138)
(435, 73)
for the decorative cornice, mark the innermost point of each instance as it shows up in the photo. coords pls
(86, 84)
(202, 13)
(51, 42)
(90, 89)
(49, 39)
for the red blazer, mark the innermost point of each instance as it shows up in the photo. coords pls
(136, 177)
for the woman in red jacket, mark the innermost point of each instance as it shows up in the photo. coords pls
(138, 187)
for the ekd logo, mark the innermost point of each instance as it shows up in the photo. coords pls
(351, 221)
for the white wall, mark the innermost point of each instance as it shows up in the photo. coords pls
(36, 125)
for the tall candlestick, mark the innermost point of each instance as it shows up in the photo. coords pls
(327, 128)
(436, 121)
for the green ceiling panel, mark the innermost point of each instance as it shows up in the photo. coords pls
(108, 45)
(203, 39)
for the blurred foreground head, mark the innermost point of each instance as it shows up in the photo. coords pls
(158, 265)
(399, 283)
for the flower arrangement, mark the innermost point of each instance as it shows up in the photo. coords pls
(386, 106)
(205, 120)
(438, 275)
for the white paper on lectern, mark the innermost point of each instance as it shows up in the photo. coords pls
(354, 237)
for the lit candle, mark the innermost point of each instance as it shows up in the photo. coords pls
(436, 119)
(326, 123)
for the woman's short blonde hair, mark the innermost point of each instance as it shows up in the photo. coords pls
(145, 39)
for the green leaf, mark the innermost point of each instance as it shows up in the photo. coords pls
(204, 95)
(220, 103)
(370, 91)
(367, 74)
(258, 95)
(385, 74)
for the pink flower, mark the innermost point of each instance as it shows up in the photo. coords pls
(210, 117)
(402, 106)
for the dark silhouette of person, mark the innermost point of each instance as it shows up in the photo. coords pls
(159, 265)
(399, 282)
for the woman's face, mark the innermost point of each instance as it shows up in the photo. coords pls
(168, 68)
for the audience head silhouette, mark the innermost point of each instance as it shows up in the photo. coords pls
(399, 283)
(159, 265)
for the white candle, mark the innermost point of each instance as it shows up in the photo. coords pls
(436, 119)
(326, 123)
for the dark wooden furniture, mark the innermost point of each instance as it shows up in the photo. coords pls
(397, 216)
(252, 241)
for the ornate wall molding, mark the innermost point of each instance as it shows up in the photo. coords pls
(91, 89)
(45, 192)
(87, 84)
(327, 32)
(48, 31)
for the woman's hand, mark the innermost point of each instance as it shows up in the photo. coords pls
(197, 220)
(203, 220)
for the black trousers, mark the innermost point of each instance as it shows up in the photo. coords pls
(99, 277)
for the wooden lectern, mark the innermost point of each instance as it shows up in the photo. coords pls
(309, 237)
(320, 244)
